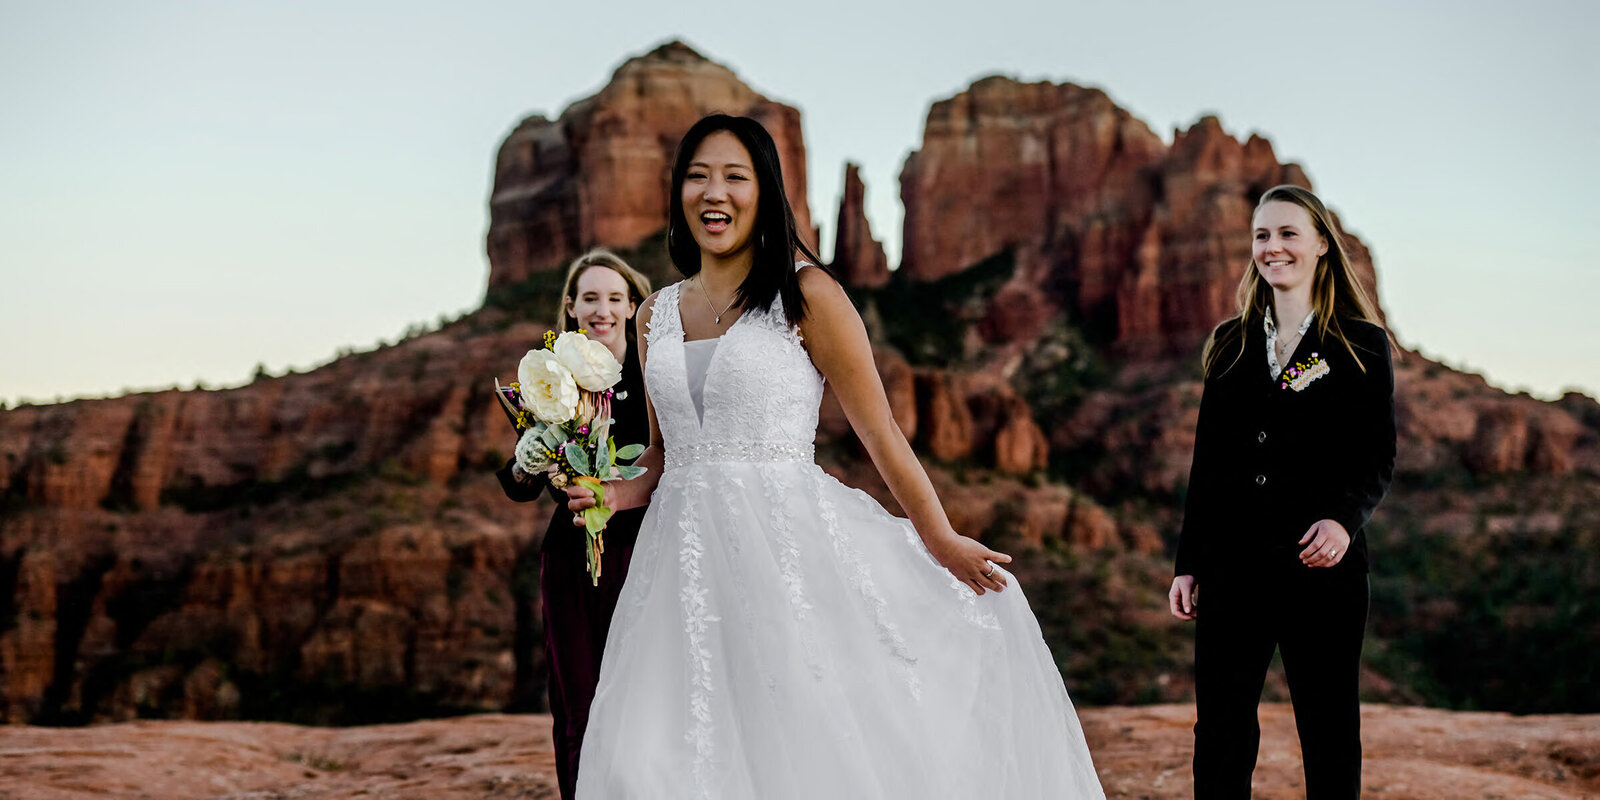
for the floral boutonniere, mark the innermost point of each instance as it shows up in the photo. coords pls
(1299, 376)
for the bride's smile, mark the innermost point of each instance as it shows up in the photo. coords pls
(720, 196)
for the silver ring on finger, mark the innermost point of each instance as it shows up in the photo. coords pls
(992, 567)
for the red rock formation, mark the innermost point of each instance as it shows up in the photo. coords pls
(1002, 162)
(858, 259)
(1515, 436)
(1143, 242)
(899, 386)
(1002, 429)
(1089, 526)
(1020, 446)
(130, 521)
(944, 423)
(1448, 418)
(1019, 312)
(1500, 442)
(27, 651)
(399, 403)
(1049, 515)
(1552, 441)
(598, 175)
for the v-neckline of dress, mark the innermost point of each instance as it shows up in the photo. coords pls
(684, 341)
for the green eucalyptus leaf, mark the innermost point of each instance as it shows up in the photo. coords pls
(577, 458)
(630, 452)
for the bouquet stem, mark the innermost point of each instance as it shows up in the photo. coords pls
(594, 524)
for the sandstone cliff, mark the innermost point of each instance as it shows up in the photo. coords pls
(598, 174)
(858, 259)
(1137, 241)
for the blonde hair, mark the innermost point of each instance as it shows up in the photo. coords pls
(1335, 291)
(638, 286)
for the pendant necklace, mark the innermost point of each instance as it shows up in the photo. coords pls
(707, 295)
(1287, 345)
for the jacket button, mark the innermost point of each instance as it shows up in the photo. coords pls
(1261, 480)
(1261, 437)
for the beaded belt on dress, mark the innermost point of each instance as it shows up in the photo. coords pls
(711, 452)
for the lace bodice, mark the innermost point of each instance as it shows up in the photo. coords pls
(761, 390)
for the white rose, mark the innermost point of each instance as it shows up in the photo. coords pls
(547, 387)
(590, 362)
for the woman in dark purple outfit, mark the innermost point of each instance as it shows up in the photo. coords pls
(601, 294)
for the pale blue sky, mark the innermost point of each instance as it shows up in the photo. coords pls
(188, 189)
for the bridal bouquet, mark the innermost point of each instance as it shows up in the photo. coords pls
(561, 405)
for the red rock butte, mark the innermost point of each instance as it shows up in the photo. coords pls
(599, 174)
(1136, 240)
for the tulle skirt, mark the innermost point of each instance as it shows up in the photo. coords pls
(781, 635)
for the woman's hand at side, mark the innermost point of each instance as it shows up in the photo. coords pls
(971, 562)
(1328, 543)
(1182, 598)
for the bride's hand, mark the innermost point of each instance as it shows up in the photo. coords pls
(972, 563)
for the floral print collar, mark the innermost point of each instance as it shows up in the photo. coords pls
(1271, 327)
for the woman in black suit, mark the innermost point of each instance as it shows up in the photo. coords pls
(1294, 449)
(600, 297)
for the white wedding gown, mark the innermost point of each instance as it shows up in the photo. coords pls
(781, 635)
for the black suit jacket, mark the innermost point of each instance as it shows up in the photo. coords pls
(632, 427)
(1270, 461)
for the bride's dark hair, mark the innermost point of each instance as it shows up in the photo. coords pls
(776, 241)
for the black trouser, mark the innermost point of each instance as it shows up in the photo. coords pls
(577, 615)
(1316, 617)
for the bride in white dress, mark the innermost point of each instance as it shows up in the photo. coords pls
(781, 635)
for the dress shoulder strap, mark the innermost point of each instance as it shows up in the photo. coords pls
(664, 321)
(773, 316)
